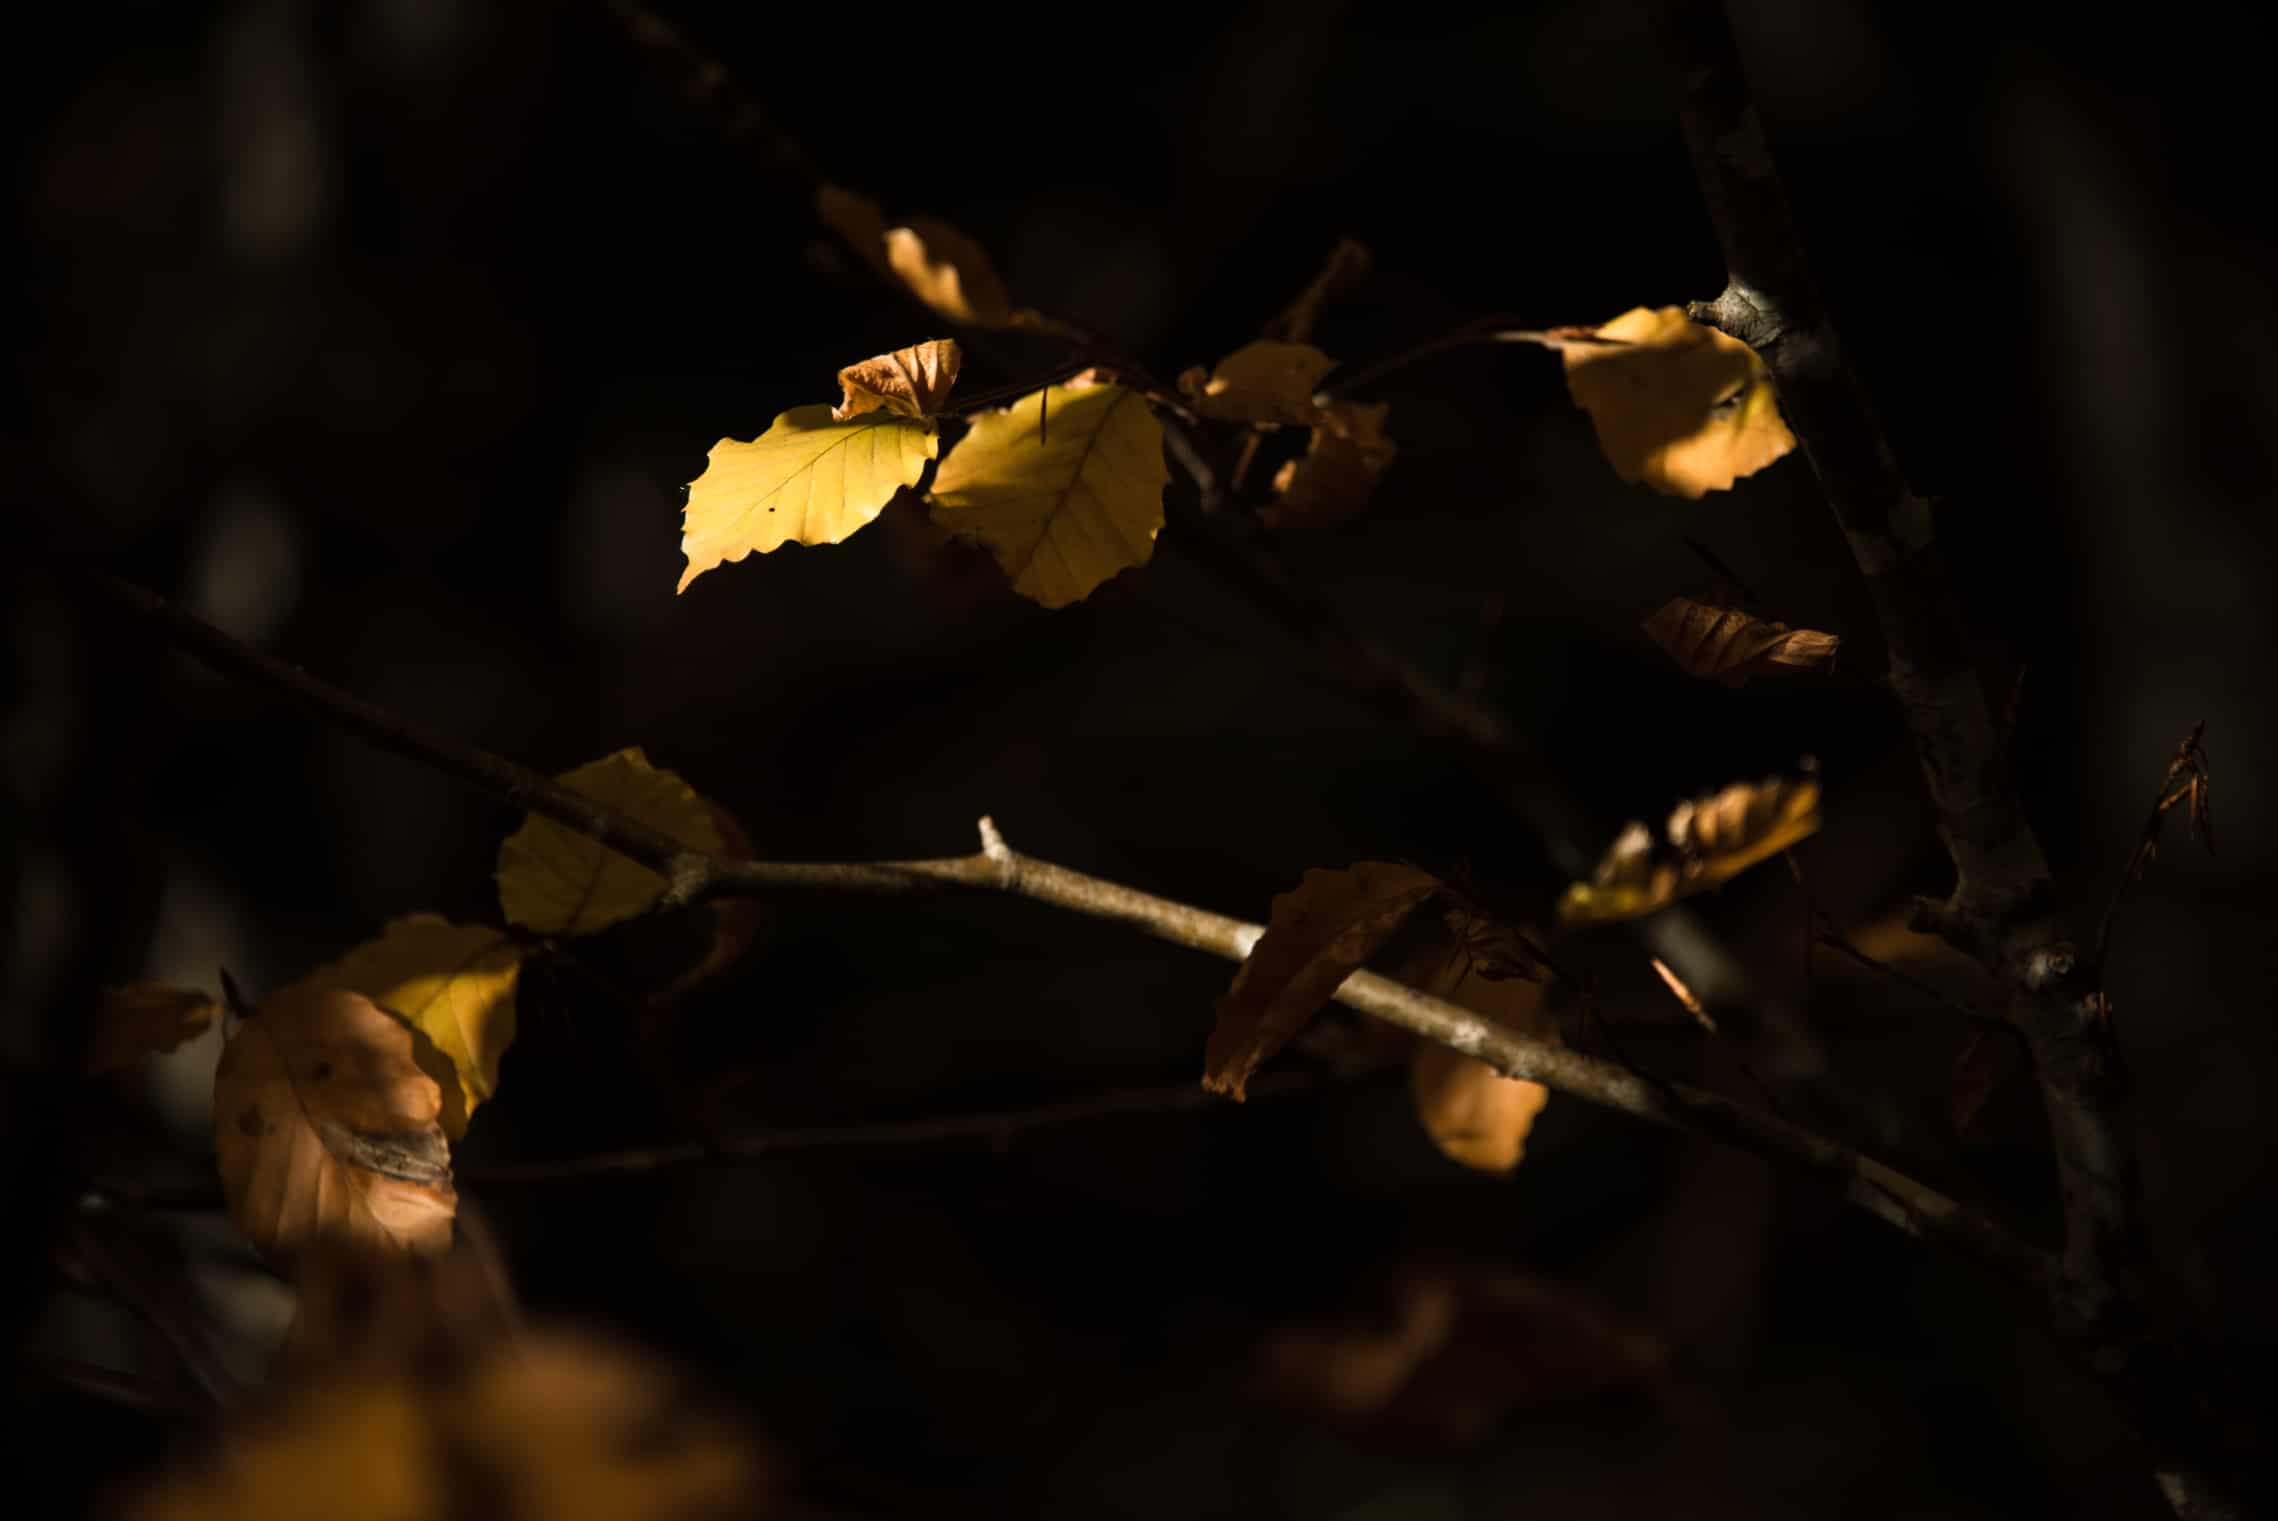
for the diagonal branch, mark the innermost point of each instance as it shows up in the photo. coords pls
(1910, 1205)
(2002, 908)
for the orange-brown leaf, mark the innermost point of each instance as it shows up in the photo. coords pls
(145, 1019)
(1262, 382)
(1710, 839)
(1683, 408)
(1338, 472)
(911, 382)
(1319, 934)
(1474, 1114)
(1727, 645)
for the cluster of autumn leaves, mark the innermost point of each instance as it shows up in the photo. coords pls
(1064, 487)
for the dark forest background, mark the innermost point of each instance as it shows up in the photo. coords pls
(385, 335)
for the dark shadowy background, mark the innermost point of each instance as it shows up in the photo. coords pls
(385, 334)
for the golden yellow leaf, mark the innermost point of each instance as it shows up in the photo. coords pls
(1261, 382)
(809, 479)
(1474, 1114)
(1727, 645)
(1339, 470)
(911, 382)
(145, 1019)
(325, 1124)
(352, 1452)
(558, 881)
(1318, 935)
(1710, 839)
(1064, 487)
(1681, 407)
(455, 985)
(949, 272)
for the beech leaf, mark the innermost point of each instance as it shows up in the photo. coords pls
(1709, 840)
(809, 479)
(1683, 408)
(1065, 488)
(1474, 1114)
(1727, 645)
(911, 382)
(145, 1019)
(452, 983)
(1338, 472)
(1262, 382)
(1318, 935)
(326, 1124)
(560, 881)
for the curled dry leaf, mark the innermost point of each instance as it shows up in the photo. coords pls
(326, 1124)
(1681, 407)
(1334, 479)
(145, 1019)
(911, 382)
(809, 479)
(1474, 1114)
(561, 881)
(1262, 382)
(1727, 645)
(452, 983)
(1063, 504)
(1319, 934)
(1710, 839)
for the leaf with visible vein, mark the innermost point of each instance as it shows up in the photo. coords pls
(455, 985)
(809, 479)
(1727, 645)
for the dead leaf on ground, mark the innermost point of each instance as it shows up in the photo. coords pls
(326, 1123)
(1333, 480)
(1683, 408)
(1709, 840)
(1318, 935)
(145, 1019)
(454, 984)
(911, 382)
(1065, 488)
(1262, 382)
(1727, 645)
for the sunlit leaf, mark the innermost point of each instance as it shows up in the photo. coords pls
(1338, 472)
(1474, 1114)
(455, 985)
(1681, 407)
(1318, 935)
(326, 1124)
(911, 382)
(1727, 645)
(560, 881)
(145, 1019)
(1709, 840)
(1065, 488)
(1266, 381)
(809, 479)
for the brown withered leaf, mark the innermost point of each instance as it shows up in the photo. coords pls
(145, 1019)
(1709, 840)
(911, 382)
(1319, 934)
(1347, 266)
(1683, 408)
(1474, 1114)
(1263, 382)
(1727, 645)
(1448, 1350)
(326, 1123)
(1338, 472)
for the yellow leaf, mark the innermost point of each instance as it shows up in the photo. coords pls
(1339, 470)
(1711, 839)
(452, 983)
(1064, 487)
(1263, 382)
(351, 1451)
(1681, 407)
(325, 1124)
(1319, 934)
(808, 479)
(949, 272)
(144, 1019)
(911, 382)
(1727, 645)
(1474, 1114)
(559, 881)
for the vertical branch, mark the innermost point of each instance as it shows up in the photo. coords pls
(2001, 909)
